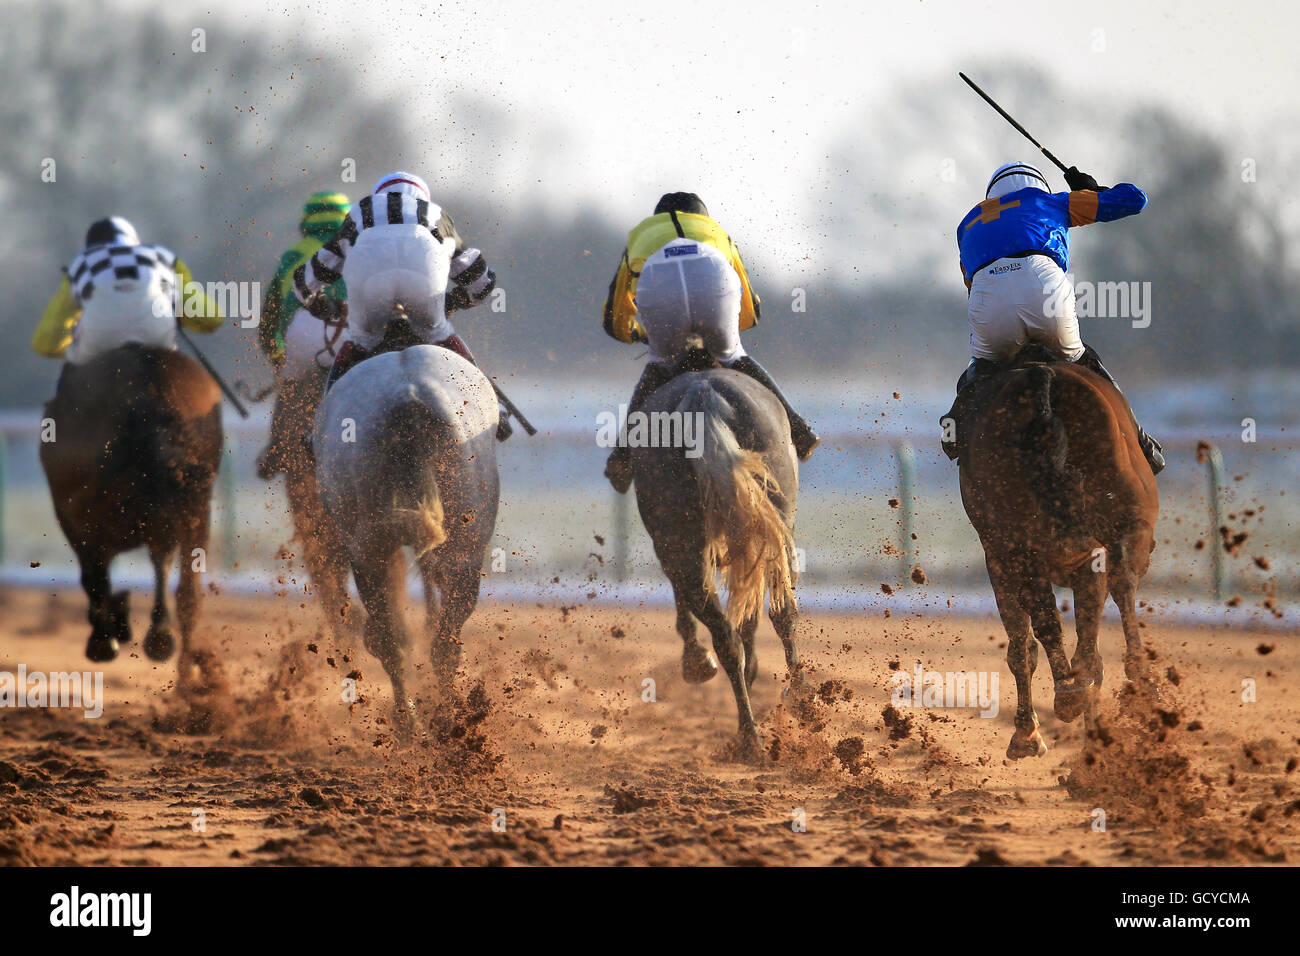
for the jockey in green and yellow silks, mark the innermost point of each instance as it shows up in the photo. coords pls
(296, 343)
(321, 218)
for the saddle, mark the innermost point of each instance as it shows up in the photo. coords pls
(398, 335)
(976, 382)
(695, 359)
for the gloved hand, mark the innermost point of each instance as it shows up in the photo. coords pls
(1077, 180)
(504, 428)
(326, 308)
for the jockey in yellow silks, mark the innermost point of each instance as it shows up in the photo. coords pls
(681, 277)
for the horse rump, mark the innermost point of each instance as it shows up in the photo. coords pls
(412, 512)
(746, 535)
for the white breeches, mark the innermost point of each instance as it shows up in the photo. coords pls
(1015, 301)
(121, 313)
(689, 288)
(396, 265)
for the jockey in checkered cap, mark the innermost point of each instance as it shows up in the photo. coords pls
(119, 291)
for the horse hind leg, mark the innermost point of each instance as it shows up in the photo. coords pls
(158, 642)
(1022, 659)
(1089, 588)
(731, 654)
(1071, 695)
(380, 582)
(698, 662)
(747, 631)
(107, 611)
(1123, 588)
(451, 604)
(784, 620)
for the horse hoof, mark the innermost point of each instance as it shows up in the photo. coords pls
(698, 665)
(1027, 745)
(101, 649)
(1072, 700)
(159, 644)
(746, 749)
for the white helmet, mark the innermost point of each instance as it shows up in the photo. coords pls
(403, 182)
(1011, 177)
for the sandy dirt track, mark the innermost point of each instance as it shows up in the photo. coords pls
(553, 731)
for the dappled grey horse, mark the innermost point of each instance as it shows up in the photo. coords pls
(729, 508)
(405, 449)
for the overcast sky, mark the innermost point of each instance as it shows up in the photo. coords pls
(610, 103)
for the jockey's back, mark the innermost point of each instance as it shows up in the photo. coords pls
(115, 291)
(1032, 219)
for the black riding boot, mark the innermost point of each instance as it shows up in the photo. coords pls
(349, 354)
(618, 469)
(804, 438)
(1150, 447)
(951, 422)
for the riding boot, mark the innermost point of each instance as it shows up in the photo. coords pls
(349, 355)
(618, 468)
(804, 438)
(454, 343)
(1150, 447)
(977, 368)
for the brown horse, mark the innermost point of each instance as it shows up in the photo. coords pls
(323, 548)
(728, 508)
(136, 446)
(1055, 482)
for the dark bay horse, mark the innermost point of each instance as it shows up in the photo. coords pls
(1055, 482)
(136, 446)
(405, 447)
(323, 549)
(728, 506)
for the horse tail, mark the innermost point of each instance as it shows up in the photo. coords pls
(1044, 452)
(417, 514)
(153, 444)
(745, 534)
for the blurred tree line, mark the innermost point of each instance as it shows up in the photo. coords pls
(213, 153)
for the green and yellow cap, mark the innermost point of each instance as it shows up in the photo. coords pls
(324, 214)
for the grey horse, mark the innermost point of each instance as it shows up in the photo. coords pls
(726, 504)
(406, 456)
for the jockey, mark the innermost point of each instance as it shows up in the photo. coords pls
(682, 275)
(397, 248)
(1015, 250)
(292, 340)
(322, 217)
(117, 291)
